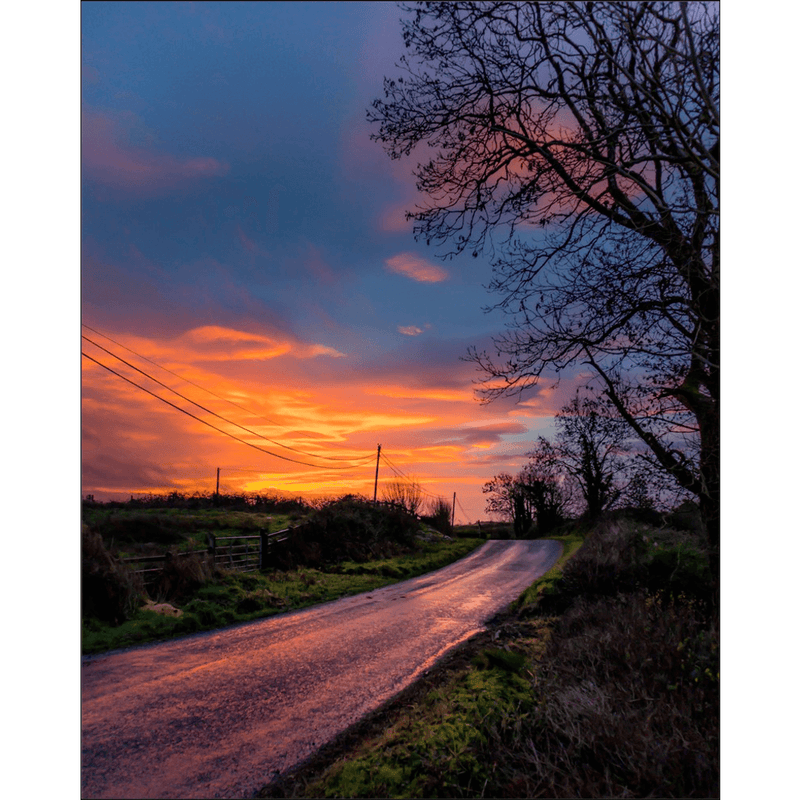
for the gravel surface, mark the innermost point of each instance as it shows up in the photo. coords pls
(220, 714)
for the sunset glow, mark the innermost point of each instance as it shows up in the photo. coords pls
(253, 298)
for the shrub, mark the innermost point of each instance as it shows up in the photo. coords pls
(182, 576)
(109, 590)
(440, 516)
(630, 705)
(617, 557)
(686, 517)
(139, 528)
(350, 528)
(607, 563)
(680, 572)
(405, 493)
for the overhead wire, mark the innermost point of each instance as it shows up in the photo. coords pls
(400, 474)
(205, 422)
(357, 460)
(458, 503)
(198, 386)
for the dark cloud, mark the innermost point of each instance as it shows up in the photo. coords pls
(104, 472)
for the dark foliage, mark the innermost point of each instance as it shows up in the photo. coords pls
(440, 516)
(349, 528)
(617, 558)
(109, 590)
(183, 575)
(264, 504)
(631, 705)
(140, 528)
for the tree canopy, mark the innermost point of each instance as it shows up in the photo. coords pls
(578, 144)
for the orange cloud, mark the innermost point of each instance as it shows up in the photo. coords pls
(416, 268)
(268, 382)
(417, 393)
(217, 343)
(213, 342)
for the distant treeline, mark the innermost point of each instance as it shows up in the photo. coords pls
(269, 503)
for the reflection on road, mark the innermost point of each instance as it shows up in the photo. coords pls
(218, 714)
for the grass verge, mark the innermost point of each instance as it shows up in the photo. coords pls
(427, 741)
(615, 695)
(242, 597)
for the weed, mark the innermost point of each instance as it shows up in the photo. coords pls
(109, 591)
(500, 659)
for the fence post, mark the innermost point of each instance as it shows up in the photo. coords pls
(262, 550)
(212, 546)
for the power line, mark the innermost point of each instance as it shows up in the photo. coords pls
(400, 474)
(458, 503)
(203, 389)
(213, 427)
(219, 416)
(358, 461)
(397, 471)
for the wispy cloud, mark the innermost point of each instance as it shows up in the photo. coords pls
(416, 268)
(246, 241)
(409, 330)
(394, 220)
(213, 343)
(109, 158)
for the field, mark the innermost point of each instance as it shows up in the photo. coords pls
(194, 594)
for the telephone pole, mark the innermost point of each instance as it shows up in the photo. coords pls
(453, 514)
(217, 492)
(377, 464)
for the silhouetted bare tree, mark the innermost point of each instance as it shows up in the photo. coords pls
(405, 493)
(543, 483)
(578, 142)
(504, 499)
(591, 446)
(535, 494)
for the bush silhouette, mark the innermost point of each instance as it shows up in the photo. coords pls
(109, 590)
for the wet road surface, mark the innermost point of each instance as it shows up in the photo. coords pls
(218, 714)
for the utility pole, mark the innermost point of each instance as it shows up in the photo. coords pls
(453, 515)
(377, 464)
(217, 492)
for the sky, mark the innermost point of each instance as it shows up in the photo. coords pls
(244, 243)
(52, 219)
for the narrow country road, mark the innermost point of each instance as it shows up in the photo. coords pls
(218, 714)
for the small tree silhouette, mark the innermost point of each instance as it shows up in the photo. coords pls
(405, 493)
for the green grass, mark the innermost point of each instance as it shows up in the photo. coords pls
(572, 542)
(445, 745)
(618, 697)
(243, 597)
(442, 747)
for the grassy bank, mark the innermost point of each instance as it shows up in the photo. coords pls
(602, 681)
(231, 598)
